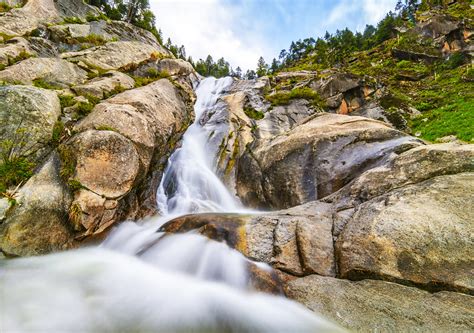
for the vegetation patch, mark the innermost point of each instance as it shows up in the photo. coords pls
(72, 20)
(41, 83)
(99, 17)
(58, 133)
(66, 100)
(285, 97)
(253, 113)
(21, 56)
(94, 39)
(152, 76)
(68, 162)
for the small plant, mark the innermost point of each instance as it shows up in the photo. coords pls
(66, 101)
(68, 162)
(72, 20)
(21, 56)
(41, 83)
(74, 185)
(105, 128)
(152, 75)
(101, 16)
(117, 90)
(75, 216)
(84, 108)
(4, 7)
(253, 113)
(92, 39)
(58, 132)
(285, 97)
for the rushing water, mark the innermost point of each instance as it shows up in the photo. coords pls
(139, 280)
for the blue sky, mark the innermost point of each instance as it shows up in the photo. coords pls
(243, 30)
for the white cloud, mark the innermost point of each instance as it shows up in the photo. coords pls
(209, 27)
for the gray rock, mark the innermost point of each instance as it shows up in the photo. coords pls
(419, 235)
(104, 85)
(378, 306)
(27, 118)
(37, 224)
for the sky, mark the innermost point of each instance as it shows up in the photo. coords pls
(243, 30)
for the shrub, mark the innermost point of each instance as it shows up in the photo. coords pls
(66, 101)
(92, 39)
(285, 97)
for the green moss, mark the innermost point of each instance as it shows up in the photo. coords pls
(154, 76)
(253, 113)
(21, 56)
(41, 83)
(72, 20)
(101, 16)
(74, 185)
(117, 90)
(68, 162)
(285, 97)
(94, 39)
(66, 101)
(58, 131)
(14, 171)
(84, 108)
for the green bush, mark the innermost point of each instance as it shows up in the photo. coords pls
(285, 97)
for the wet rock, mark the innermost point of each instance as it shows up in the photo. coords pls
(297, 240)
(37, 223)
(27, 118)
(419, 235)
(52, 70)
(371, 305)
(315, 159)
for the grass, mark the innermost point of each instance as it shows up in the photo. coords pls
(100, 17)
(94, 39)
(105, 128)
(456, 119)
(41, 83)
(285, 97)
(14, 171)
(68, 162)
(253, 113)
(152, 76)
(66, 101)
(58, 132)
(72, 20)
(21, 56)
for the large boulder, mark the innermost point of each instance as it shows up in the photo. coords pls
(27, 118)
(297, 241)
(37, 222)
(124, 55)
(119, 153)
(101, 87)
(16, 48)
(315, 159)
(420, 234)
(410, 167)
(107, 30)
(54, 71)
(378, 306)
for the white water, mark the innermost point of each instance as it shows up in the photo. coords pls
(142, 281)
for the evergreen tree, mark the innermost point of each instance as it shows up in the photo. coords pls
(262, 67)
(275, 66)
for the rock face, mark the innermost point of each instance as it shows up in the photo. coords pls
(27, 117)
(117, 55)
(383, 306)
(37, 223)
(315, 159)
(110, 139)
(297, 241)
(419, 235)
(54, 71)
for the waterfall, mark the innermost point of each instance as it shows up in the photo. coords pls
(143, 281)
(189, 184)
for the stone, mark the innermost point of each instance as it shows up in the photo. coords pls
(37, 223)
(105, 85)
(315, 159)
(419, 234)
(379, 306)
(122, 55)
(167, 65)
(107, 163)
(52, 70)
(410, 167)
(338, 83)
(15, 48)
(297, 241)
(27, 117)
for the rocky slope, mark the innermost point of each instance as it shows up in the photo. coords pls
(97, 106)
(360, 220)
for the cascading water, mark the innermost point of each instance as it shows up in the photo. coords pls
(143, 281)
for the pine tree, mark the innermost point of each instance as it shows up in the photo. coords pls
(262, 67)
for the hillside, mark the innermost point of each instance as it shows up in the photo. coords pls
(420, 80)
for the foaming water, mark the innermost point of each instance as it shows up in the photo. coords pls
(189, 184)
(140, 280)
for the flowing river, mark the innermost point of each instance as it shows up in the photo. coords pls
(139, 281)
